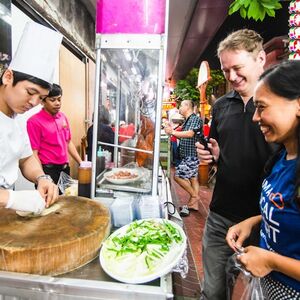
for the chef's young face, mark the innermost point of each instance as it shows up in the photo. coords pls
(52, 104)
(20, 97)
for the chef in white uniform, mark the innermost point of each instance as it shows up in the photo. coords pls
(23, 85)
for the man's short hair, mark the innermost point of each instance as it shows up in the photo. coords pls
(55, 91)
(243, 39)
(190, 103)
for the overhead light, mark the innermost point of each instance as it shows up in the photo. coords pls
(133, 70)
(5, 14)
(127, 55)
(6, 19)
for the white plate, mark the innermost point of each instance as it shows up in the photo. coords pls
(135, 270)
(122, 180)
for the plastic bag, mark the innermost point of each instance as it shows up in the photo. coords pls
(67, 185)
(253, 290)
(182, 267)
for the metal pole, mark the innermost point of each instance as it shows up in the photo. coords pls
(161, 84)
(96, 109)
(117, 123)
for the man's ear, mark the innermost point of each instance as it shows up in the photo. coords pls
(8, 77)
(261, 57)
(298, 112)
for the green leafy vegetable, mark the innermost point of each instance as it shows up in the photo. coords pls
(150, 238)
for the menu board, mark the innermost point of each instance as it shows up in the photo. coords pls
(5, 34)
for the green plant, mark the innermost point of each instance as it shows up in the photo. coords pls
(217, 79)
(187, 88)
(255, 9)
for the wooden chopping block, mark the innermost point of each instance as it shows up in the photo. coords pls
(54, 244)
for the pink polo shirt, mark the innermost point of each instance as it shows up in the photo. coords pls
(49, 135)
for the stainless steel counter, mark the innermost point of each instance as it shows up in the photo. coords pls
(87, 282)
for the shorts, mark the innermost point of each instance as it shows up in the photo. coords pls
(187, 168)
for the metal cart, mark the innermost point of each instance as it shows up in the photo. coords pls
(129, 85)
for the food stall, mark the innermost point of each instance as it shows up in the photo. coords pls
(127, 181)
(131, 53)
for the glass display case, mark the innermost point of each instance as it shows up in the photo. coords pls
(127, 118)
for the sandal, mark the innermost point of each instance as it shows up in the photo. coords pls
(184, 211)
(193, 209)
(193, 203)
(189, 208)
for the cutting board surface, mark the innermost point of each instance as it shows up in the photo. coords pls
(54, 244)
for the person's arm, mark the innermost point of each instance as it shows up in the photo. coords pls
(183, 134)
(36, 155)
(3, 198)
(261, 262)
(73, 152)
(179, 134)
(32, 170)
(286, 265)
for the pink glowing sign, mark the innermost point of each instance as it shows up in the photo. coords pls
(130, 16)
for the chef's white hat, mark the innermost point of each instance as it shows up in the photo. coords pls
(37, 52)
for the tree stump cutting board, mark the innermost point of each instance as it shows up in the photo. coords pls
(54, 244)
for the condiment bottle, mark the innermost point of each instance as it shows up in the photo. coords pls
(84, 179)
(100, 162)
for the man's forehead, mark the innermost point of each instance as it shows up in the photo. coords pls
(53, 98)
(33, 87)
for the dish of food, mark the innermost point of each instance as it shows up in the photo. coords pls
(122, 175)
(143, 250)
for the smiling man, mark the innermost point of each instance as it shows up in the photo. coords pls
(50, 136)
(240, 151)
(22, 86)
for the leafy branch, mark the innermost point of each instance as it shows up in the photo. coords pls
(255, 9)
(187, 88)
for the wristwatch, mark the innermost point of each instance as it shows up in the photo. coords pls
(44, 176)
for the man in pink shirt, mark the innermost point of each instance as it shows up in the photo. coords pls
(50, 136)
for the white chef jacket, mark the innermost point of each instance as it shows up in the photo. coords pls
(14, 145)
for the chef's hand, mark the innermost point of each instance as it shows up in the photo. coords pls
(208, 156)
(48, 190)
(30, 201)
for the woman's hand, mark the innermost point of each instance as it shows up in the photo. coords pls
(257, 261)
(238, 233)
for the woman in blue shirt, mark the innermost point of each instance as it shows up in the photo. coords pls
(277, 260)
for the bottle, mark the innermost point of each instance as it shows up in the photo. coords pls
(107, 156)
(100, 162)
(84, 179)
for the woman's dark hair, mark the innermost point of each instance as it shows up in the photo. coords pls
(19, 76)
(283, 80)
(55, 91)
(104, 116)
